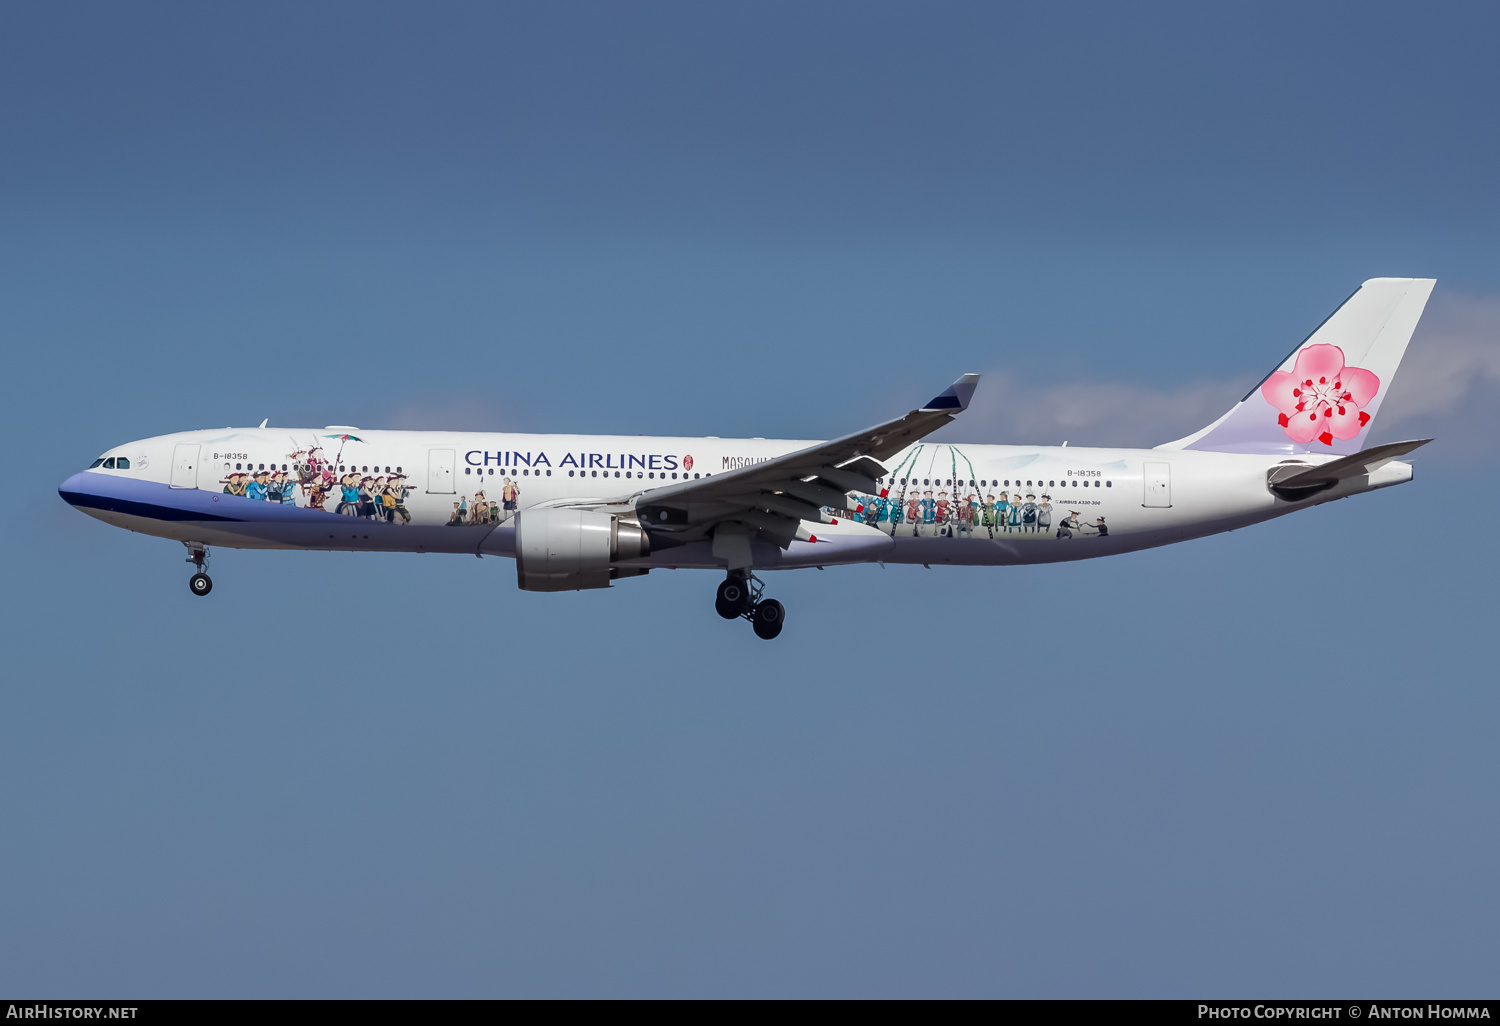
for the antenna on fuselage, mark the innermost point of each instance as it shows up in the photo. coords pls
(265, 422)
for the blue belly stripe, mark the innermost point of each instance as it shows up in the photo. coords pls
(111, 504)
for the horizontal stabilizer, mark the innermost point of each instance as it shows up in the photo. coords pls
(1305, 482)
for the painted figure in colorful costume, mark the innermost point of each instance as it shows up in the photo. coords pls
(963, 520)
(929, 514)
(349, 495)
(256, 489)
(1028, 513)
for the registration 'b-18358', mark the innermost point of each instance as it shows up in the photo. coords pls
(584, 511)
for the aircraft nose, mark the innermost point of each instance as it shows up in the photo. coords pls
(73, 488)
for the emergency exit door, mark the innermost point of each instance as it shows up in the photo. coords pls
(439, 471)
(185, 466)
(1158, 478)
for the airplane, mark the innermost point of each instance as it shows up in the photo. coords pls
(583, 511)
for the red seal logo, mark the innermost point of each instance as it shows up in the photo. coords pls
(687, 463)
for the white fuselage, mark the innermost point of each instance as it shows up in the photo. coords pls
(430, 491)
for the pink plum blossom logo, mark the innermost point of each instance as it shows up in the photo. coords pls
(1321, 398)
(687, 463)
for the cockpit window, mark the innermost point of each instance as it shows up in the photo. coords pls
(109, 464)
(97, 463)
(122, 463)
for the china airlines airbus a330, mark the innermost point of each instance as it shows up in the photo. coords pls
(582, 511)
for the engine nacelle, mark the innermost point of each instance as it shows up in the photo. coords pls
(574, 549)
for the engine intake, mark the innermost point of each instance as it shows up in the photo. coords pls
(575, 549)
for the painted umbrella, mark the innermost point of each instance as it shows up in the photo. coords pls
(342, 439)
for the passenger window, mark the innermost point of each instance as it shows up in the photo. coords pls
(617, 473)
(122, 463)
(1109, 484)
(549, 473)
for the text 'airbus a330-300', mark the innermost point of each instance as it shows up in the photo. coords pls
(582, 511)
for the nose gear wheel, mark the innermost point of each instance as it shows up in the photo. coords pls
(200, 583)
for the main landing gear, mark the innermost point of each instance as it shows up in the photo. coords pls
(740, 596)
(200, 583)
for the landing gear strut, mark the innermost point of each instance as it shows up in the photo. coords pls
(200, 583)
(740, 596)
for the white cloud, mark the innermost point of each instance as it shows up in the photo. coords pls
(1448, 388)
(1009, 411)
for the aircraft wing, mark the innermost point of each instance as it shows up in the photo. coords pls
(773, 498)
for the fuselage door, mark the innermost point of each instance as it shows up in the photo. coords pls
(1158, 477)
(185, 466)
(439, 471)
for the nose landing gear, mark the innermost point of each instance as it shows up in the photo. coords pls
(740, 596)
(200, 583)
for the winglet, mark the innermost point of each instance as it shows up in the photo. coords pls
(957, 397)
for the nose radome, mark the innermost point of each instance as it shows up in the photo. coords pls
(75, 485)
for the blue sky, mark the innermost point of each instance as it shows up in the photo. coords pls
(1256, 764)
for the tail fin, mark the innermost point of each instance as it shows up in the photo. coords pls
(1324, 396)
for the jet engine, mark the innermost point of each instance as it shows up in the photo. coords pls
(574, 549)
